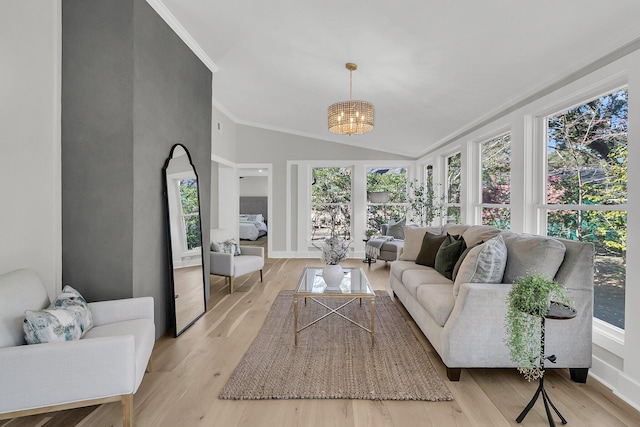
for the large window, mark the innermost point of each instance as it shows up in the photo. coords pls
(495, 157)
(386, 194)
(330, 202)
(587, 191)
(454, 181)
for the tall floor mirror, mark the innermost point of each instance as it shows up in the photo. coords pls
(184, 239)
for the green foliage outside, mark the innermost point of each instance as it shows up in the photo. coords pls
(393, 181)
(331, 203)
(190, 212)
(496, 181)
(454, 183)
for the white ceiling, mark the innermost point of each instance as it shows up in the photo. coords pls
(432, 69)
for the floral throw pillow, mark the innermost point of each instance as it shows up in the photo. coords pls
(228, 247)
(67, 319)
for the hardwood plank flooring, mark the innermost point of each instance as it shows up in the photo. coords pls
(189, 372)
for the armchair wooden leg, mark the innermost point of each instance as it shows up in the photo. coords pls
(127, 410)
(230, 284)
(261, 275)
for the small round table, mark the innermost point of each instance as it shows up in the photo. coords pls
(368, 259)
(558, 312)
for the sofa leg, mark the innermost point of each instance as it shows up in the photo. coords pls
(579, 375)
(454, 374)
(127, 410)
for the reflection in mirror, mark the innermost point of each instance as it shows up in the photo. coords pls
(184, 239)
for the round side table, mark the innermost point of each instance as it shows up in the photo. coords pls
(558, 312)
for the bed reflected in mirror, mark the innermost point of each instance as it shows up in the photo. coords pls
(184, 241)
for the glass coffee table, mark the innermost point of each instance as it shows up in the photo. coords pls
(354, 286)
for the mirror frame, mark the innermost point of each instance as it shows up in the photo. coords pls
(172, 297)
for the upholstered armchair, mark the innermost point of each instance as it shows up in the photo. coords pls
(229, 265)
(106, 365)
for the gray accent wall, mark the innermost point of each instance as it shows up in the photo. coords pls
(131, 89)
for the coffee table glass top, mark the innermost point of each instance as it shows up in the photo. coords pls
(354, 283)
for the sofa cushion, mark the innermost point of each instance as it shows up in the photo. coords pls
(398, 268)
(479, 233)
(430, 245)
(438, 300)
(448, 254)
(413, 279)
(413, 241)
(396, 229)
(530, 253)
(454, 229)
(484, 263)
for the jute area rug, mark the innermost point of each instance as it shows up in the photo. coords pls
(334, 358)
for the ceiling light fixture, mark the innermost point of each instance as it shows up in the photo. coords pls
(351, 117)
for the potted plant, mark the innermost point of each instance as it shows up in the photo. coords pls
(528, 303)
(334, 250)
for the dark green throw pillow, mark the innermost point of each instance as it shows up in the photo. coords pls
(430, 245)
(448, 255)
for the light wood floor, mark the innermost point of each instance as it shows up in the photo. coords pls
(189, 372)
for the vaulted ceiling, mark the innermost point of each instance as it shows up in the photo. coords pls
(432, 69)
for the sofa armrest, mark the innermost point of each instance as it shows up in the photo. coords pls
(477, 322)
(221, 263)
(252, 250)
(105, 312)
(56, 373)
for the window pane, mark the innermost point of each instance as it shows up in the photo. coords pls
(453, 215)
(587, 165)
(331, 185)
(190, 212)
(496, 170)
(392, 184)
(607, 231)
(497, 217)
(334, 220)
(587, 153)
(454, 168)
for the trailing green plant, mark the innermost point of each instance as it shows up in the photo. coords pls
(527, 304)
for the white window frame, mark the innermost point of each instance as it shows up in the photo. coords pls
(605, 335)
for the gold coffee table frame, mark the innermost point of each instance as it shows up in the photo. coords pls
(354, 286)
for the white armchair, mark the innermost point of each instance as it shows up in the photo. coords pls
(230, 266)
(106, 365)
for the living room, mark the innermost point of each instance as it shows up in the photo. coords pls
(38, 234)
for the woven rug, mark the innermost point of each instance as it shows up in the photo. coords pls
(334, 359)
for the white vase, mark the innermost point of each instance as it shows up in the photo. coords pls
(332, 275)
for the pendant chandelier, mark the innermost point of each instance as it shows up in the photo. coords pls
(351, 117)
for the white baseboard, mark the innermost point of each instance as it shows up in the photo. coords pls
(620, 384)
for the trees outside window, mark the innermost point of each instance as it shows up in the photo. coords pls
(495, 155)
(394, 182)
(454, 182)
(190, 215)
(331, 202)
(587, 191)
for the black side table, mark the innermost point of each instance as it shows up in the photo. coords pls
(367, 259)
(560, 312)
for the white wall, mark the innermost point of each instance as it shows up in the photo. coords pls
(254, 186)
(616, 357)
(30, 224)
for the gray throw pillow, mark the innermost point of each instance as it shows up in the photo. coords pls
(395, 229)
(485, 263)
(430, 245)
(448, 255)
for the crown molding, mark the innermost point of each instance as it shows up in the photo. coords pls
(177, 27)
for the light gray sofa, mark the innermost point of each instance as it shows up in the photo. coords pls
(106, 365)
(468, 331)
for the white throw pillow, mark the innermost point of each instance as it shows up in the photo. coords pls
(484, 263)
